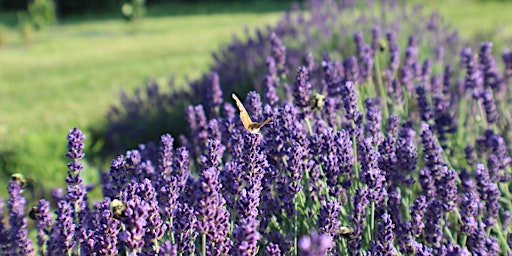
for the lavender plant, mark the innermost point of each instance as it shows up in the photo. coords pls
(342, 169)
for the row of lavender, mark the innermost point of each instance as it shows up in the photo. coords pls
(323, 26)
(404, 160)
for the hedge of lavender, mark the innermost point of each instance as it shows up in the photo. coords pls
(386, 153)
(320, 27)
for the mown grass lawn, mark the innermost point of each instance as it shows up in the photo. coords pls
(72, 72)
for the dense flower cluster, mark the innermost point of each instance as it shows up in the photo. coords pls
(343, 168)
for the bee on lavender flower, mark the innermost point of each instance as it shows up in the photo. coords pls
(118, 208)
(20, 179)
(318, 101)
(252, 127)
(346, 232)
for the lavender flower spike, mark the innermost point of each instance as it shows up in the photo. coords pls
(315, 244)
(302, 89)
(19, 243)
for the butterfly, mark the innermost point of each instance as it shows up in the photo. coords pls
(252, 127)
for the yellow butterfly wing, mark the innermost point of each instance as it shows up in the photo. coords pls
(244, 116)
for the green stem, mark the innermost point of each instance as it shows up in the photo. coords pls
(295, 229)
(382, 91)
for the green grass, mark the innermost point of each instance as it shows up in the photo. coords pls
(73, 72)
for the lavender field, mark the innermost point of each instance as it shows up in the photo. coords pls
(388, 135)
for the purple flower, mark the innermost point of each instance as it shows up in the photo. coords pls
(246, 237)
(385, 237)
(491, 76)
(473, 79)
(211, 212)
(213, 94)
(394, 88)
(421, 249)
(418, 208)
(351, 69)
(155, 226)
(433, 232)
(406, 160)
(278, 53)
(358, 218)
(394, 52)
(371, 174)
(44, 222)
(432, 152)
(375, 39)
(469, 213)
(349, 96)
(269, 88)
(447, 188)
(359, 42)
(302, 88)
(107, 230)
(315, 244)
(423, 105)
(366, 68)
(135, 220)
(447, 78)
(272, 250)
(328, 219)
(184, 229)
(489, 106)
(18, 242)
(62, 239)
(168, 249)
(373, 120)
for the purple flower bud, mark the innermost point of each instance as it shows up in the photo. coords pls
(63, 238)
(489, 106)
(315, 244)
(18, 242)
(44, 223)
(469, 213)
(272, 250)
(213, 94)
(351, 69)
(359, 42)
(168, 249)
(394, 52)
(269, 87)
(375, 38)
(385, 237)
(135, 220)
(246, 236)
(491, 76)
(278, 53)
(373, 120)
(358, 218)
(366, 63)
(302, 88)
(447, 78)
(473, 79)
(349, 95)
(433, 230)
(309, 61)
(371, 174)
(328, 219)
(418, 209)
(423, 104)
(184, 228)
(432, 152)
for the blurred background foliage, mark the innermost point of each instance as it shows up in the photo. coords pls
(87, 65)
